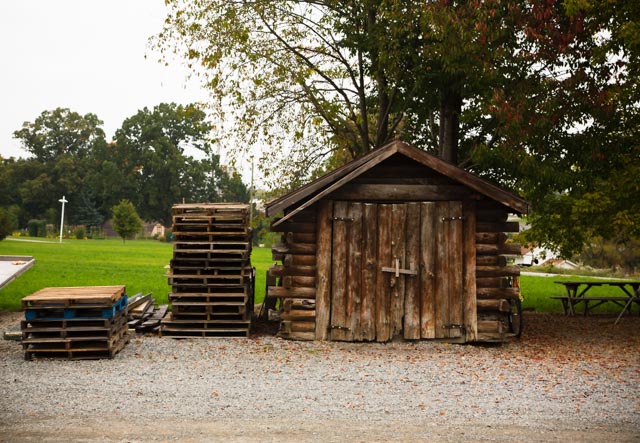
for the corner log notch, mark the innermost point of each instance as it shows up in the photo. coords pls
(296, 277)
(494, 276)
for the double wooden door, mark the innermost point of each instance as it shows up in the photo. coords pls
(396, 270)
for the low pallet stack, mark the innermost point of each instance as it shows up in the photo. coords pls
(75, 323)
(210, 273)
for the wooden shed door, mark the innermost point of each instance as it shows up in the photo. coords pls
(396, 270)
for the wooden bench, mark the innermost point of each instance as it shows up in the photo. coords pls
(568, 303)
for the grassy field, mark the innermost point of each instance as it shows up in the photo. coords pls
(140, 265)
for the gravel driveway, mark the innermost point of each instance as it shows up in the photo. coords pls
(567, 378)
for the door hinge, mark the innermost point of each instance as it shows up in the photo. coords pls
(345, 219)
(461, 327)
(451, 218)
(340, 328)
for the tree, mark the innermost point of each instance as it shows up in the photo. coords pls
(316, 77)
(6, 224)
(126, 221)
(148, 162)
(60, 132)
(539, 96)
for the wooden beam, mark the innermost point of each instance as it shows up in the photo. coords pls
(396, 192)
(323, 267)
(374, 161)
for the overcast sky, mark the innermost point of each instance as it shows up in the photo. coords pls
(85, 55)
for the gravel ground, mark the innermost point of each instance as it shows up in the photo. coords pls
(567, 378)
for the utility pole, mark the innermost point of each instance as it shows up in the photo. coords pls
(63, 201)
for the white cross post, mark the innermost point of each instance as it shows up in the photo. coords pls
(63, 201)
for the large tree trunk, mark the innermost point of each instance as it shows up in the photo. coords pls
(450, 108)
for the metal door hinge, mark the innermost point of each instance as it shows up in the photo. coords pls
(461, 327)
(451, 218)
(346, 219)
(340, 328)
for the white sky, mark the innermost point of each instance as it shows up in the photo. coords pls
(85, 55)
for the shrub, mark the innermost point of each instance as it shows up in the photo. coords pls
(79, 233)
(6, 224)
(37, 228)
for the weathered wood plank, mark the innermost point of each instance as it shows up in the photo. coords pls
(498, 293)
(492, 215)
(354, 271)
(505, 249)
(398, 252)
(300, 237)
(497, 271)
(469, 270)
(339, 273)
(303, 326)
(295, 248)
(442, 240)
(398, 192)
(501, 305)
(370, 273)
(490, 237)
(278, 291)
(383, 302)
(455, 248)
(490, 282)
(306, 315)
(294, 226)
(299, 260)
(490, 326)
(323, 275)
(283, 271)
(428, 270)
(491, 260)
(412, 285)
(482, 226)
(299, 281)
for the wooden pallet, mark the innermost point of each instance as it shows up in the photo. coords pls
(70, 297)
(75, 323)
(204, 328)
(76, 343)
(43, 330)
(85, 353)
(81, 311)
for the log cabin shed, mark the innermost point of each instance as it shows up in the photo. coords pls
(397, 243)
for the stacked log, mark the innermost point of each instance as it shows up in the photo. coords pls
(75, 323)
(210, 273)
(296, 276)
(494, 275)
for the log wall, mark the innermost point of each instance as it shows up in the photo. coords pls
(304, 293)
(493, 274)
(296, 276)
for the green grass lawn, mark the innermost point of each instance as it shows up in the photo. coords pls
(140, 265)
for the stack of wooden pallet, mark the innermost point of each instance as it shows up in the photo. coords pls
(210, 274)
(75, 323)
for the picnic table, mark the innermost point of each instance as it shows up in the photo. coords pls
(577, 293)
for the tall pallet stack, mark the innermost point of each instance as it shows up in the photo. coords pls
(75, 323)
(210, 273)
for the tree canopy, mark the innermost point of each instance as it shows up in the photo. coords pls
(539, 96)
(150, 163)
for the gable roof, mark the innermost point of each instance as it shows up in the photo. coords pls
(310, 193)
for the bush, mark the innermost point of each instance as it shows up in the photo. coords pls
(37, 228)
(6, 223)
(79, 233)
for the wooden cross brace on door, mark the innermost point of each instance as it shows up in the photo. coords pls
(396, 271)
